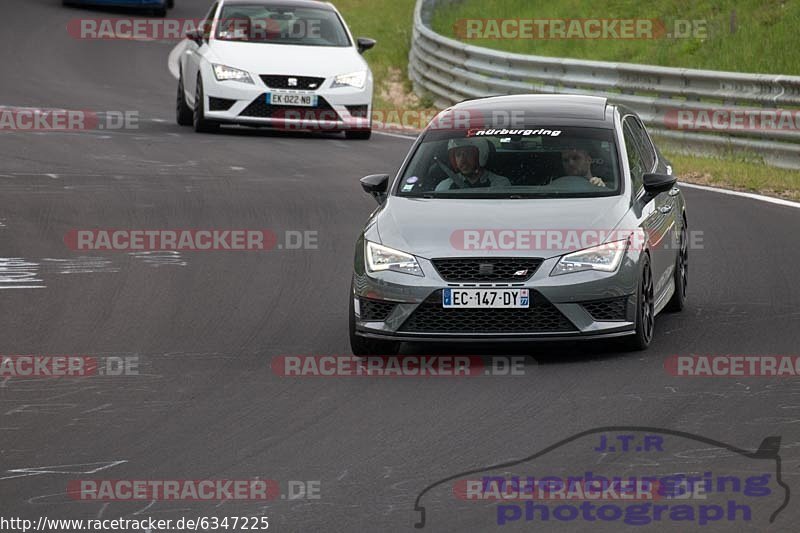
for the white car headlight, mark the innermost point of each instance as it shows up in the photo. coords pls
(354, 79)
(381, 258)
(224, 73)
(605, 258)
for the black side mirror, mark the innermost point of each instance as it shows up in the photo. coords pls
(655, 184)
(365, 43)
(376, 185)
(196, 36)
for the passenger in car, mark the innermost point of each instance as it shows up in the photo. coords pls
(468, 158)
(577, 161)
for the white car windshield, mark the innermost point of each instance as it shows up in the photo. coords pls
(281, 25)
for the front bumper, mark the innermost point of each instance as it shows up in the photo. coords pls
(340, 109)
(583, 305)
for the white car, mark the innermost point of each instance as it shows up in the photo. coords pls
(285, 64)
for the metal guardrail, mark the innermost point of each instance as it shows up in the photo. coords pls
(452, 71)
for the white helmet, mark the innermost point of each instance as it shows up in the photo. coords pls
(481, 144)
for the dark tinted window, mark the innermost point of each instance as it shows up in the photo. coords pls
(640, 159)
(644, 141)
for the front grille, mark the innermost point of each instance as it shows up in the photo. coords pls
(219, 104)
(260, 109)
(377, 310)
(540, 317)
(495, 269)
(605, 310)
(302, 83)
(358, 111)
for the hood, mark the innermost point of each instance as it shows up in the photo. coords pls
(287, 59)
(433, 228)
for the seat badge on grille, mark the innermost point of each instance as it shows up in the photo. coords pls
(292, 82)
(485, 268)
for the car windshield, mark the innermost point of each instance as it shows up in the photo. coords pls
(531, 161)
(281, 25)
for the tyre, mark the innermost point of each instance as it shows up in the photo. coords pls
(160, 12)
(645, 311)
(363, 346)
(201, 125)
(678, 300)
(184, 115)
(170, 4)
(358, 135)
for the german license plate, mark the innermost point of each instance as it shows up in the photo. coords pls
(296, 99)
(486, 298)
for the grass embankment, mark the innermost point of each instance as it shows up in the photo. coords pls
(390, 23)
(740, 35)
(761, 37)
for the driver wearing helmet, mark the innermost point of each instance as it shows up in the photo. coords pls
(468, 159)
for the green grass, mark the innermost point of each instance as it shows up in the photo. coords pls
(737, 174)
(389, 22)
(765, 37)
(765, 41)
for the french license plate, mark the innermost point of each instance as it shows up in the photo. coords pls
(304, 100)
(486, 298)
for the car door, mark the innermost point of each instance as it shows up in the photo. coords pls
(658, 219)
(667, 205)
(674, 200)
(194, 53)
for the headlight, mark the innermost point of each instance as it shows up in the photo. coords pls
(223, 73)
(381, 258)
(605, 258)
(354, 79)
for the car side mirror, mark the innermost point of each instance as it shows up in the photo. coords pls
(654, 184)
(376, 185)
(364, 44)
(196, 36)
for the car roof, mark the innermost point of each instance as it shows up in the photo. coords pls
(283, 3)
(545, 106)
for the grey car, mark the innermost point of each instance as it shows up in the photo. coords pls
(520, 218)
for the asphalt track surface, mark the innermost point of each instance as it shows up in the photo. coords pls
(205, 326)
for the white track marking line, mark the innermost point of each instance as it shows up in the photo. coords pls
(752, 196)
